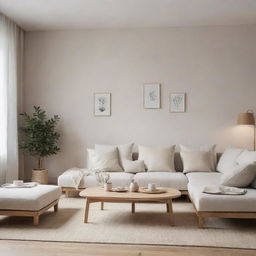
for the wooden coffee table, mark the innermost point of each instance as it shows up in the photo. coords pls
(97, 194)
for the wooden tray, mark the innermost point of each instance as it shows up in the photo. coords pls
(24, 185)
(157, 191)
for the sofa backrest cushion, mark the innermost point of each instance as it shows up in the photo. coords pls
(177, 160)
(196, 161)
(157, 158)
(124, 151)
(105, 160)
(205, 148)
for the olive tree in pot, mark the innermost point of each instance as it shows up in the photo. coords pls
(39, 140)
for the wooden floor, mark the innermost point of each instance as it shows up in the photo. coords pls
(28, 248)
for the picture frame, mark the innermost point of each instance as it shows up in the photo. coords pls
(152, 96)
(102, 104)
(177, 102)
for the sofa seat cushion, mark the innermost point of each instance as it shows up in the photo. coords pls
(117, 179)
(176, 180)
(204, 178)
(28, 199)
(218, 203)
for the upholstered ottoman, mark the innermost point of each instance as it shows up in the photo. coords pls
(29, 201)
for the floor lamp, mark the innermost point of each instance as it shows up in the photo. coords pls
(247, 119)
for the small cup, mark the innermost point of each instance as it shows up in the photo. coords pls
(17, 182)
(151, 186)
(108, 186)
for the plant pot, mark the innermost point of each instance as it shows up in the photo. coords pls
(40, 176)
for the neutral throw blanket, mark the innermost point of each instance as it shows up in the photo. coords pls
(76, 174)
(224, 190)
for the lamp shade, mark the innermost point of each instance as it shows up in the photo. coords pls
(246, 118)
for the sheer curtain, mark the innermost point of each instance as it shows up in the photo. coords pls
(11, 54)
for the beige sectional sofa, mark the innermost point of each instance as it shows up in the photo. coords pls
(206, 205)
(176, 179)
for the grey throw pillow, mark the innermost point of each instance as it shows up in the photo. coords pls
(241, 176)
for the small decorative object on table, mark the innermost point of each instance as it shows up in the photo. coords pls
(119, 189)
(108, 186)
(149, 191)
(102, 177)
(152, 187)
(18, 182)
(134, 187)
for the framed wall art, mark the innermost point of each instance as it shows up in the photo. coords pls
(152, 95)
(177, 102)
(102, 104)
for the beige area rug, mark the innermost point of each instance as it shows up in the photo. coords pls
(116, 224)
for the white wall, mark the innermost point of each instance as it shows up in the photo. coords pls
(215, 66)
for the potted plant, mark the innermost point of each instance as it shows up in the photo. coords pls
(40, 140)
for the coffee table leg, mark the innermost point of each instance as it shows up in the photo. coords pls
(133, 207)
(86, 210)
(169, 203)
(102, 206)
(167, 208)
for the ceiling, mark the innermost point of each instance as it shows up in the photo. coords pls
(88, 14)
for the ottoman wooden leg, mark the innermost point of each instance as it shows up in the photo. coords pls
(36, 219)
(200, 221)
(56, 207)
(102, 206)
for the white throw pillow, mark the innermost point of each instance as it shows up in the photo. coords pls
(204, 148)
(104, 160)
(124, 151)
(246, 157)
(196, 161)
(134, 166)
(228, 159)
(90, 157)
(241, 176)
(157, 158)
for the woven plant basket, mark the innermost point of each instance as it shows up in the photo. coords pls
(40, 176)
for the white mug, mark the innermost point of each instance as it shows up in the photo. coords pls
(17, 182)
(151, 186)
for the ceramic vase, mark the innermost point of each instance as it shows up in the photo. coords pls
(134, 187)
